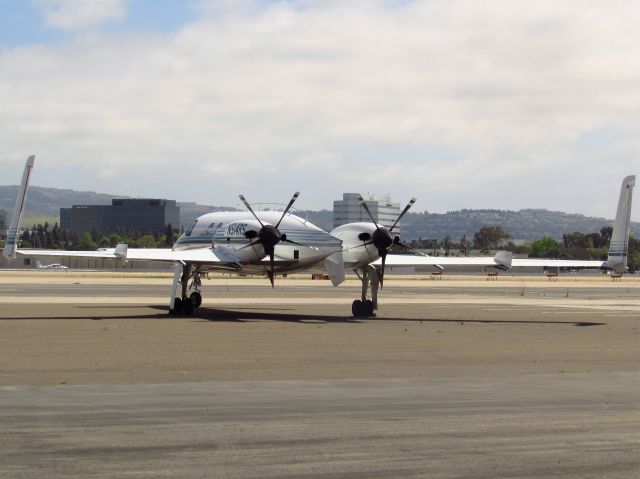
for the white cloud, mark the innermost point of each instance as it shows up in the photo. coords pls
(461, 103)
(78, 14)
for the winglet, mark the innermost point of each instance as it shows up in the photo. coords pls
(503, 260)
(121, 251)
(11, 244)
(619, 247)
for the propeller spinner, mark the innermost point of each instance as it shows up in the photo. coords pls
(381, 237)
(269, 236)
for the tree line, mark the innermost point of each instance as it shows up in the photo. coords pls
(46, 237)
(576, 245)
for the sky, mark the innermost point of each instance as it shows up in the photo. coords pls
(504, 104)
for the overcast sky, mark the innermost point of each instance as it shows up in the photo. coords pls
(462, 103)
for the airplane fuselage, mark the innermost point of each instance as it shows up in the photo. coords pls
(228, 233)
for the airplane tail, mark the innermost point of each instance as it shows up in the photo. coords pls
(11, 244)
(619, 247)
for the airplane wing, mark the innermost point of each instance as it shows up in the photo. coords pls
(199, 255)
(557, 263)
(502, 260)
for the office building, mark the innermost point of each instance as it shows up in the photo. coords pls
(348, 210)
(4, 223)
(143, 215)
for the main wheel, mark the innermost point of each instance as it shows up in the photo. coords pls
(196, 299)
(177, 307)
(367, 307)
(356, 308)
(187, 306)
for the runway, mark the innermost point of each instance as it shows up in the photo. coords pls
(449, 380)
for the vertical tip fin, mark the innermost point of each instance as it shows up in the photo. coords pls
(619, 246)
(11, 243)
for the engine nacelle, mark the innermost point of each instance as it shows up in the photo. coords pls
(354, 236)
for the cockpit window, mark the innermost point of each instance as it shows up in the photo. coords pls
(190, 230)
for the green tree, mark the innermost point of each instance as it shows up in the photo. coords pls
(147, 241)
(546, 247)
(605, 236)
(114, 239)
(574, 240)
(447, 244)
(465, 245)
(170, 235)
(86, 243)
(104, 241)
(490, 237)
(633, 262)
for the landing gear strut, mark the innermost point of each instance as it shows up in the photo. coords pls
(363, 307)
(185, 303)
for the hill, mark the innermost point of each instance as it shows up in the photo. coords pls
(527, 224)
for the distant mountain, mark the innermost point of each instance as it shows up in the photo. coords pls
(48, 201)
(526, 224)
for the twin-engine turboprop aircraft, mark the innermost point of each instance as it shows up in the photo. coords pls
(271, 243)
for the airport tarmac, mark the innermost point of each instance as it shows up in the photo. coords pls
(461, 378)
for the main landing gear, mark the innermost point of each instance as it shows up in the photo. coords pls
(185, 303)
(363, 307)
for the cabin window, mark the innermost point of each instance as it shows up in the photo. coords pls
(296, 254)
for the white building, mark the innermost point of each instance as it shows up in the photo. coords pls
(348, 210)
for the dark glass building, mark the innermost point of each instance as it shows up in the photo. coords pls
(4, 223)
(144, 215)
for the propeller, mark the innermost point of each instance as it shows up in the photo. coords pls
(381, 237)
(269, 235)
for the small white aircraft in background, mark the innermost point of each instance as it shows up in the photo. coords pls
(271, 243)
(56, 266)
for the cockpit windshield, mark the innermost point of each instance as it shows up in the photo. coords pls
(190, 229)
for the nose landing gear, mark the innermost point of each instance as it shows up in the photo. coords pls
(185, 304)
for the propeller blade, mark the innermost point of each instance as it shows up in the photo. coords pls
(406, 208)
(410, 248)
(286, 210)
(248, 206)
(251, 244)
(383, 256)
(285, 240)
(270, 272)
(366, 208)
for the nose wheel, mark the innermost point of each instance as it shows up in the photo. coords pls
(185, 304)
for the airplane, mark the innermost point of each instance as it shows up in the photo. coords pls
(56, 266)
(271, 242)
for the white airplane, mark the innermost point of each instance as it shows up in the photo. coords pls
(270, 243)
(56, 266)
